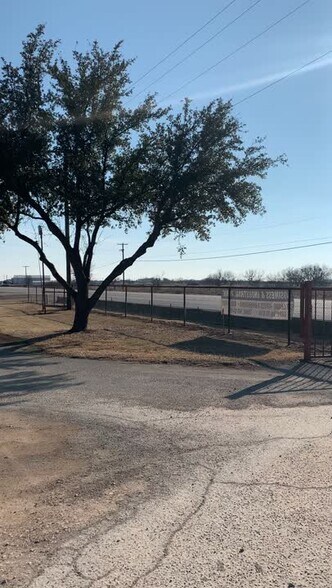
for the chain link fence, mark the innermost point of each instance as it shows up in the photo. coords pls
(270, 310)
(54, 297)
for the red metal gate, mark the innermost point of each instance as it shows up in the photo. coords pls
(316, 321)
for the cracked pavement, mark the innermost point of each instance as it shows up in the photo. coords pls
(235, 468)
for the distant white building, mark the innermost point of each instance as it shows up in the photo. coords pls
(32, 280)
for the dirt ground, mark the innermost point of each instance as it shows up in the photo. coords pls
(62, 471)
(165, 469)
(135, 339)
(53, 483)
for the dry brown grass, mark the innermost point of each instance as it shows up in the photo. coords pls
(135, 339)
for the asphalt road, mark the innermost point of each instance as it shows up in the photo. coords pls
(13, 292)
(235, 468)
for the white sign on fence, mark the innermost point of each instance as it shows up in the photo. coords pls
(264, 304)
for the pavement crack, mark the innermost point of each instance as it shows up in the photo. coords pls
(261, 484)
(246, 444)
(177, 530)
(273, 484)
(79, 573)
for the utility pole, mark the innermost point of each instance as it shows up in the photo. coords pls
(27, 281)
(26, 274)
(40, 231)
(123, 245)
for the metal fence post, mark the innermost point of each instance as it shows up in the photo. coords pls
(222, 308)
(315, 323)
(307, 326)
(106, 300)
(28, 292)
(324, 301)
(229, 310)
(151, 304)
(64, 298)
(184, 306)
(302, 311)
(126, 300)
(289, 316)
(36, 295)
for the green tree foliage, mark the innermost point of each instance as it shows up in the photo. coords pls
(69, 144)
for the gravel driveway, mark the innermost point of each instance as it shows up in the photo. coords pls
(229, 470)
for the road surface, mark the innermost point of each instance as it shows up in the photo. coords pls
(234, 471)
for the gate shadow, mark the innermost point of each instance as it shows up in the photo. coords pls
(303, 378)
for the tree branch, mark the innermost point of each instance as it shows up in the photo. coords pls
(123, 265)
(87, 260)
(53, 227)
(77, 238)
(33, 217)
(74, 255)
(43, 258)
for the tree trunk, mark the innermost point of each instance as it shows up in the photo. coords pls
(82, 311)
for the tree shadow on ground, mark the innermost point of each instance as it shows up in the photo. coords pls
(30, 341)
(23, 373)
(305, 378)
(213, 346)
(49, 311)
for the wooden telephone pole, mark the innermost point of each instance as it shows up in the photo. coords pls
(123, 245)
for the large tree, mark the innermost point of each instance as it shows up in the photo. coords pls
(71, 147)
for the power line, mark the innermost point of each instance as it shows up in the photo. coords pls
(276, 225)
(282, 78)
(240, 254)
(259, 245)
(246, 44)
(267, 227)
(225, 256)
(176, 49)
(184, 59)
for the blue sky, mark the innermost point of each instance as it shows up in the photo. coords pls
(294, 116)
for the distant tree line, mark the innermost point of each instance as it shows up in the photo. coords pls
(318, 274)
(292, 276)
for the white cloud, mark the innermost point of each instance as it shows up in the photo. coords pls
(256, 82)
